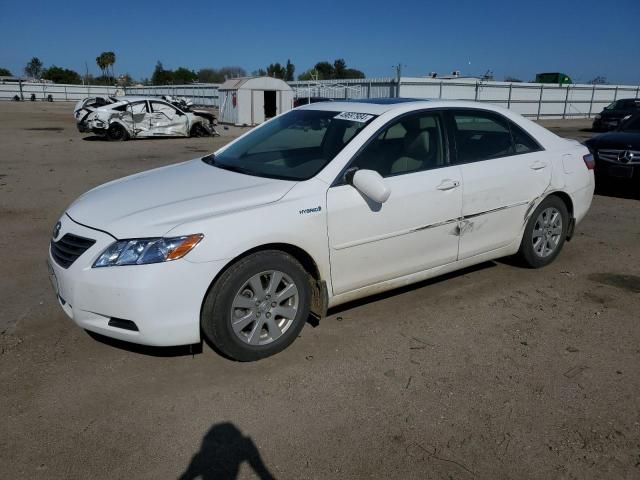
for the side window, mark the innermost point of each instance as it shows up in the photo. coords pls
(138, 107)
(481, 136)
(168, 110)
(412, 144)
(522, 141)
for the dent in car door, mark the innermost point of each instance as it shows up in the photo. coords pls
(166, 120)
(416, 228)
(136, 118)
(501, 177)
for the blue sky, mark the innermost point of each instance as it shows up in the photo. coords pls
(581, 38)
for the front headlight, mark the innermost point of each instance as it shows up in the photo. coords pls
(142, 251)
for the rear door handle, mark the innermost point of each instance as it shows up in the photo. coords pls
(538, 165)
(448, 184)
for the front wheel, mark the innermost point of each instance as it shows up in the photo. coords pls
(258, 306)
(545, 233)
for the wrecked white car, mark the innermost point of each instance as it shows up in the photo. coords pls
(141, 117)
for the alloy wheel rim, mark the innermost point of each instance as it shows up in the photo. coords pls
(547, 232)
(264, 307)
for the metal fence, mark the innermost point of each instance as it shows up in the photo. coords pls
(56, 92)
(529, 99)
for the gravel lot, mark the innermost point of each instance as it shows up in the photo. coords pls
(493, 372)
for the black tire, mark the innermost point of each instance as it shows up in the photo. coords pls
(527, 253)
(117, 133)
(217, 313)
(198, 131)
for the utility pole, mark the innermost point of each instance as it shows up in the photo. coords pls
(398, 69)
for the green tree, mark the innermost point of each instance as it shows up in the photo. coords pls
(161, 76)
(61, 75)
(276, 70)
(209, 75)
(290, 70)
(34, 68)
(5, 72)
(339, 68)
(184, 75)
(325, 70)
(261, 72)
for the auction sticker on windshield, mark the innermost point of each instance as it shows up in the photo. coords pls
(354, 117)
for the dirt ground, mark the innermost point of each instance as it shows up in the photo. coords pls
(490, 373)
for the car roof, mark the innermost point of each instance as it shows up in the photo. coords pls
(378, 106)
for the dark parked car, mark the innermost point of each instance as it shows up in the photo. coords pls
(613, 114)
(617, 153)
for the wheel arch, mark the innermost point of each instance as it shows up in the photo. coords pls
(319, 301)
(566, 198)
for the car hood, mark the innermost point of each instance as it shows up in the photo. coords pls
(616, 140)
(151, 203)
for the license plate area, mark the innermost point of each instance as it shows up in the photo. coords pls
(621, 171)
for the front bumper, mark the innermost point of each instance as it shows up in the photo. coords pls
(163, 299)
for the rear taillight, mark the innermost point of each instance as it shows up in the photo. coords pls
(589, 161)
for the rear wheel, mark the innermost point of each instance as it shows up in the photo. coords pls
(258, 306)
(117, 133)
(545, 233)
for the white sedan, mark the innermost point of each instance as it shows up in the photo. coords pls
(324, 204)
(122, 118)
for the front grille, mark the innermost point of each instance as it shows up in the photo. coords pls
(67, 250)
(611, 155)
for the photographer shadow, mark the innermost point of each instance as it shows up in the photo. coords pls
(223, 450)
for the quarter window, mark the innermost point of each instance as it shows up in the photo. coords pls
(412, 144)
(522, 141)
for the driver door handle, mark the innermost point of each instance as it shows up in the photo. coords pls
(538, 165)
(448, 184)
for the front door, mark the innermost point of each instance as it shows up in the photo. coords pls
(503, 171)
(167, 120)
(416, 228)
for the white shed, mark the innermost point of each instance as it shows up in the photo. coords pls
(252, 100)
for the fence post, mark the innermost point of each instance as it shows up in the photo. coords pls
(440, 93)
(593, 94)
(369, 90)
(66, 98)
(637, 91)
(476, 97)
(540, 101)
(615, 95)
(509, 99)
(566, 99)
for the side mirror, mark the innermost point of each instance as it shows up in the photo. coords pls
(371, 184)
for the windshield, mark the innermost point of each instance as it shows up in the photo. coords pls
(294, 146)
(631, 125)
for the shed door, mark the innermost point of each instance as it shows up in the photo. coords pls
(270, 104)
(257, 107)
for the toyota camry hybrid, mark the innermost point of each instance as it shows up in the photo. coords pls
(324, 204)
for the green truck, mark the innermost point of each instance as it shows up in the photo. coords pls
(553, 77)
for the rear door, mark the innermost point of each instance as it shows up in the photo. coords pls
(503, 170)
(136, 117)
